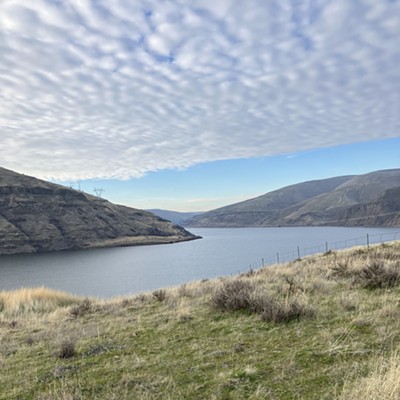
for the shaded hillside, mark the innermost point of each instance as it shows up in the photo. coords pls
(359, 200)
(38, 216)
(176, 217)
(378, 212)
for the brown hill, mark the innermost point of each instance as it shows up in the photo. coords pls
(360, 200)
(38, 216)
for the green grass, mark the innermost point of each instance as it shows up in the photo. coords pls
(179, 344)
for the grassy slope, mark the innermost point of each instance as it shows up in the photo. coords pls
(176, 344)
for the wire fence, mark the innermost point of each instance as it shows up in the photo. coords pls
(300, 252)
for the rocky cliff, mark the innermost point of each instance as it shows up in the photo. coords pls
(39, 216)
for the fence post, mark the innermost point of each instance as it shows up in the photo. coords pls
(326, 246)
(298, 252)
(262, 262)
(367, 241)
(277, 257)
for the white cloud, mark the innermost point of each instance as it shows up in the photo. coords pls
(118, 88)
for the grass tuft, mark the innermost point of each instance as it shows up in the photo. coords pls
(382, 383)
(33, 300)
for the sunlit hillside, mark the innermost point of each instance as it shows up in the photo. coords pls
(324, 327)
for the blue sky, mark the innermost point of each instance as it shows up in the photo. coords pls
(190, 105)
(214, 184)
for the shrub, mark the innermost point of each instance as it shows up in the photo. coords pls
(377, 276)
(125, 302)
(67, 349)
(233, 295)
(160, 294)
(82, 308)
(341, 270)
(241, 294)
(287, 311)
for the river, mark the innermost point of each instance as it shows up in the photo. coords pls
(122, 271)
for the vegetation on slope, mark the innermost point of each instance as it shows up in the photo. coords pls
(324, 327)
(359, 200)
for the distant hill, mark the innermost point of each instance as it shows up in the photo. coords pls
(372, 199)
(176, 217)
(38, 216)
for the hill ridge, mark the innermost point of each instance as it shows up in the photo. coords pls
(350, 200)
(40, 216)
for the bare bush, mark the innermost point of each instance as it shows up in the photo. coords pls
(378, 276)
(82, 308)
(67, 349)
(244, 295)
(160, 295)
(234, 295)
(341, 269)
(290, 310)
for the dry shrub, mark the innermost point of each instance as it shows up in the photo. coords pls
(160, 294)
(67, 349)
(378, 276)
(241, 294)
(287, 311)
(340, 270)
(234, 295)
(183, 291)
(82, 308)
(141, 298)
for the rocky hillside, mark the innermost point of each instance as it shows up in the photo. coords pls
(361, 200)
(38, 216)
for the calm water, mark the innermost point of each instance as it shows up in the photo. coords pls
(128, 270)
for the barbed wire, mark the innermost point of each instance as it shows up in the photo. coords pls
(300, 252)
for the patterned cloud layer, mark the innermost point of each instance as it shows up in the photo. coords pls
(117, 88)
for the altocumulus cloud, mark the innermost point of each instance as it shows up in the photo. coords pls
(117, 88)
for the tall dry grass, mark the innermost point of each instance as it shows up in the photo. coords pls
(33, 300)
(382, 383)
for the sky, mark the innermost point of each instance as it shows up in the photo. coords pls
(193, 104)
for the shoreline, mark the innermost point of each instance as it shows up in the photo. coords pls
(125, 241)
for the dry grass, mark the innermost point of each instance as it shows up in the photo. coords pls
(239, 337)
(33, 300)
(382, 383)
